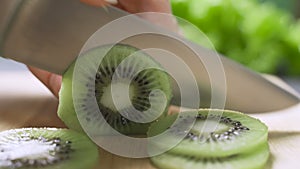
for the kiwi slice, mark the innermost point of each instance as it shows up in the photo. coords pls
(229, 133)
(121, 66)
(47, 148)
(255, 160)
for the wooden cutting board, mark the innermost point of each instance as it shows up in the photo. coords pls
(25, 102)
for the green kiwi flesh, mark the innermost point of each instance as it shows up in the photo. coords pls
(46, 148)
(235, 133)
(255, 160)
(140, 87)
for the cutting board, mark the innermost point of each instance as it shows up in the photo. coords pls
(25, 102)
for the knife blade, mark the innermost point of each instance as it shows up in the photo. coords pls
(50, 34)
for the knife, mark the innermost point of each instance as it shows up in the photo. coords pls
(50, 34)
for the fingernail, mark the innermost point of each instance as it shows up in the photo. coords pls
(113, 2)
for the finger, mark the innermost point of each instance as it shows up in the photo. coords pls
(118, 5)
(136, 6)
(50, 80)
(139, 6)
(175, 109)
(98, 3)
(167, 20)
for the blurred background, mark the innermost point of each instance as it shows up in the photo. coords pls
(263, 35)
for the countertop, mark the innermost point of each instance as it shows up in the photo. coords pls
(25, 102)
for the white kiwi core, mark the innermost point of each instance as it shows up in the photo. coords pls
(29, 152)
(31, 149)
(119, 96)
(209, 126)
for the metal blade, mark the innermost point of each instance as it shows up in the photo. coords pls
(50, 34)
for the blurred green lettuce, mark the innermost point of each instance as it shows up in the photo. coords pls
(258, 35)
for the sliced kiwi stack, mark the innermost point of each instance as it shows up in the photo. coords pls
(113, 73)
(46, 148)
(232, 140)
(255, 160)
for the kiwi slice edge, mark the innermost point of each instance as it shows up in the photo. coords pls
(244, 141)
(254, 160)
(28, 148)
(66, 110)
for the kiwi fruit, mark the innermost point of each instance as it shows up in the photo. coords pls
(102, 81)
(229, 133)
(46, 148)
(255, 160)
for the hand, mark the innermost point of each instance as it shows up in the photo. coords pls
(53, 81)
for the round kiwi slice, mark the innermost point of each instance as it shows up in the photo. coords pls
(215, 133)
(255, 160)
(124, 85)
(47, 148)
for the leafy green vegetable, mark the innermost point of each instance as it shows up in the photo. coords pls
(257, 35)
(292, 50)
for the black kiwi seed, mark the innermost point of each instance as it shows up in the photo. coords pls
(235, 129)
(46, 148)
(243, 134)
(140, 102)
(111, 72)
